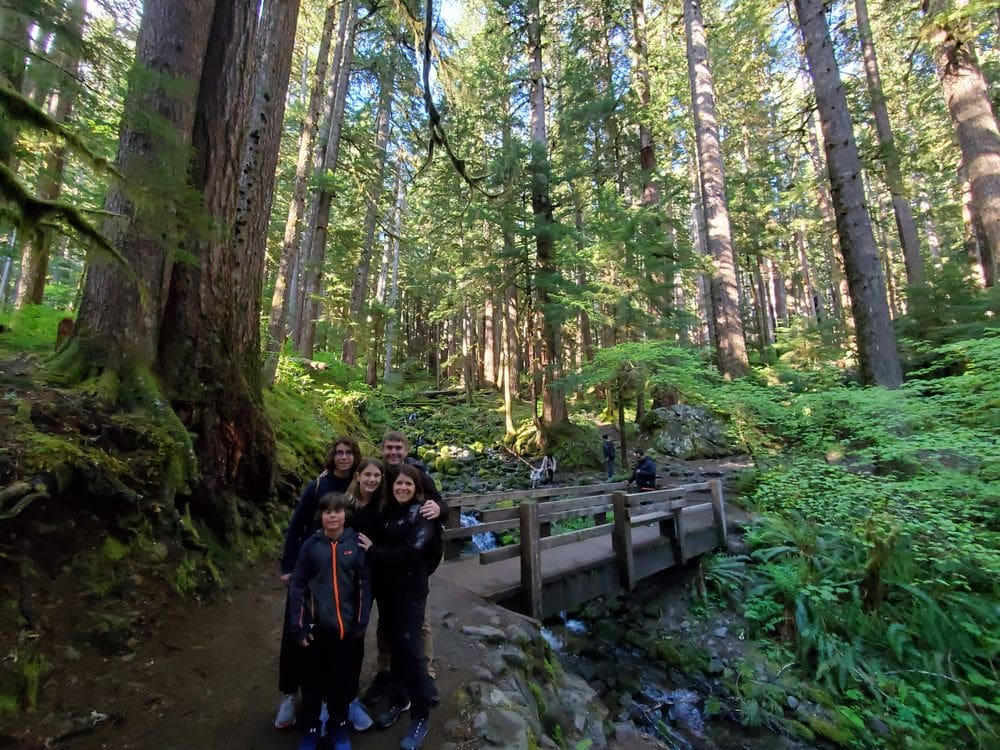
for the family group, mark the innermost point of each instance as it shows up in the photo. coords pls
(365, 530)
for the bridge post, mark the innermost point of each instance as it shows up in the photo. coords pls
(545, 527)
(719, 510)
(531, 560)
(622, 541)
(453, 547)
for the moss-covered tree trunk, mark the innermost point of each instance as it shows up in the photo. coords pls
(194, 325)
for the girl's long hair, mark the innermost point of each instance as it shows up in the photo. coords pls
(418, 488)
(353, 490)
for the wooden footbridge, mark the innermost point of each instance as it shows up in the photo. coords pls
(634, 536)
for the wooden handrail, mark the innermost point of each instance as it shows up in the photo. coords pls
(666, 507)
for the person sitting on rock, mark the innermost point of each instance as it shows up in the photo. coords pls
(644, 473)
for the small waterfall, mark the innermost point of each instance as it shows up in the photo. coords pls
(482, 542)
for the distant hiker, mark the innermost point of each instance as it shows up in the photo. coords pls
(330, 599)
(401, 569)
(395, 447)
(644, 473)
(548, 467)
(609, 454)
(339, 469)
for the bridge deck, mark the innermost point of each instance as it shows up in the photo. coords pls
(574, 573)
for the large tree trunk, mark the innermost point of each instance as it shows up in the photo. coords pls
(967, 96)
(392, 297)
(647, 154)
(553, 400)
(314, 241)
(14, 45)
(373, 194)
(35, 251)
(731, 348)
(196, 325)
(877, 355)
(905, 225)
(209, 353)
(122, 309)
(277, 318)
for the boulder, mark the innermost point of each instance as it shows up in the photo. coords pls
(687, 432)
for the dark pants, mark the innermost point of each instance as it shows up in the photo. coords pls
(289, 658)
(403, 615)
(645, 481)
(331, 674)
(610, 463)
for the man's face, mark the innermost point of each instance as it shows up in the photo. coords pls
(393, 452)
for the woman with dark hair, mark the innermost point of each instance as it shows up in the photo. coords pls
(341, 463)
(400, 571)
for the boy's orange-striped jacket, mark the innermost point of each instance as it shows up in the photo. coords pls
(330, 588)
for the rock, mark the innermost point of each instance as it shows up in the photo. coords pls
(514, 656)
(716, 666)
(721, 632)
(502, 728)
(71, 654)
(609, 630)
(792, 702)
(687, 432)
(878, 727)
(485, 633)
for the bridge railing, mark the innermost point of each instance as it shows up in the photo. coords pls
(669, 508)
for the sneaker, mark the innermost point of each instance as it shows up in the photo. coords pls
(286, 713)
(340, 739)
(391, 715)
(376, 691)
(358, 717)
(310, 739)
(415, 735)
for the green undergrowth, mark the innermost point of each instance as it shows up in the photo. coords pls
(30, 329)
(875, 557)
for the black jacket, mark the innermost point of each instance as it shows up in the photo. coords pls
(609, 450)
(401, 560)
(304, 522)
(330, 587)
(644, 473)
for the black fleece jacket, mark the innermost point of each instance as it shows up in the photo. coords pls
(330, 587)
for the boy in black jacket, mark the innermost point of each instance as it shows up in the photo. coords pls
(330, 601)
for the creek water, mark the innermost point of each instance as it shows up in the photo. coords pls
(478, 542)
(669, 704)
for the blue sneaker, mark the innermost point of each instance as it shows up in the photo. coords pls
(340, 739)
(358, 717)
(310, 739)
(415, 735)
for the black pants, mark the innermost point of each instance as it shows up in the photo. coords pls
(332, 671)
(403, 614)
(289, 658)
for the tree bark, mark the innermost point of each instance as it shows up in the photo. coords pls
(877, 354)
(13, 56)
(313, 247)
(905, 225)
(277, 318)
(731, 350)
(966, 95)
(373, 194)
(553, 400)
(35, 250)
(209, 348)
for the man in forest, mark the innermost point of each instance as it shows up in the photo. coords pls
(644, 473)
(395, 447)
(609, 454)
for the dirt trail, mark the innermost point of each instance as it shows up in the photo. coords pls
(208, 678)
(205, 676)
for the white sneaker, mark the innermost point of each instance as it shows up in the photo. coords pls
(286, 713)
(358, 717)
